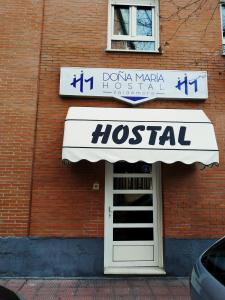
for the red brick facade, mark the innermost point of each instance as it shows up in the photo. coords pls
(39, 196)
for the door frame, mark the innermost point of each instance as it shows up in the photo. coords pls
(157, 191)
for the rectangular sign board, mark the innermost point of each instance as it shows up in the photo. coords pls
(133, 86)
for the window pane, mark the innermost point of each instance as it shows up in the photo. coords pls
(132, 200)
(132, 45)
(144, 21)
(136, 183)
(147, 46)
(214, 261)
(133, 234)
(121, 20)
(133, 216)
(125, 167)
(223, 19)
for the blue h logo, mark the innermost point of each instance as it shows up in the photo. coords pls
(186, 83)
(80, 81)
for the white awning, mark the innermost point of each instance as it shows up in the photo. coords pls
(149, 135)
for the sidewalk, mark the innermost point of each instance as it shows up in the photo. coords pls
(100, 288)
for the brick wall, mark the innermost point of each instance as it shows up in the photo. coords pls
(63, 202)
(20, 24)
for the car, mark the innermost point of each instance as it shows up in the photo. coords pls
(6, 294)
(207, 281)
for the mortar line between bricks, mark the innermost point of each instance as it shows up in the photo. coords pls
(36, 122)
(76, 288)
(23, 284)
(56, 290)
(37, 290)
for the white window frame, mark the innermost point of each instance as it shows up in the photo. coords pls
(154, 4)
(221, 14)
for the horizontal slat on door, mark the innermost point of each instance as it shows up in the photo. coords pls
(131, 225)
(132, 175)
(132, 191)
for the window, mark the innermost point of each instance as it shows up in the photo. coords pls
(133, 25)
(214, 261)
(223, 24)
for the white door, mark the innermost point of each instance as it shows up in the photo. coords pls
(133, 219)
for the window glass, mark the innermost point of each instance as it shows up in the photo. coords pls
(132, 45)
(144, 21)
(144, 46)
(214, 261)
(132, 183)
(121, 20)
(223, 19)
(125, 167)
(132, 216)
(132, 200)
(133, 234)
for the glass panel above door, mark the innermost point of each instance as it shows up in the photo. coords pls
(123, 167)
(132, 183)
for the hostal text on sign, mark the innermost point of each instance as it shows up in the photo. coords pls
(122, 133)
